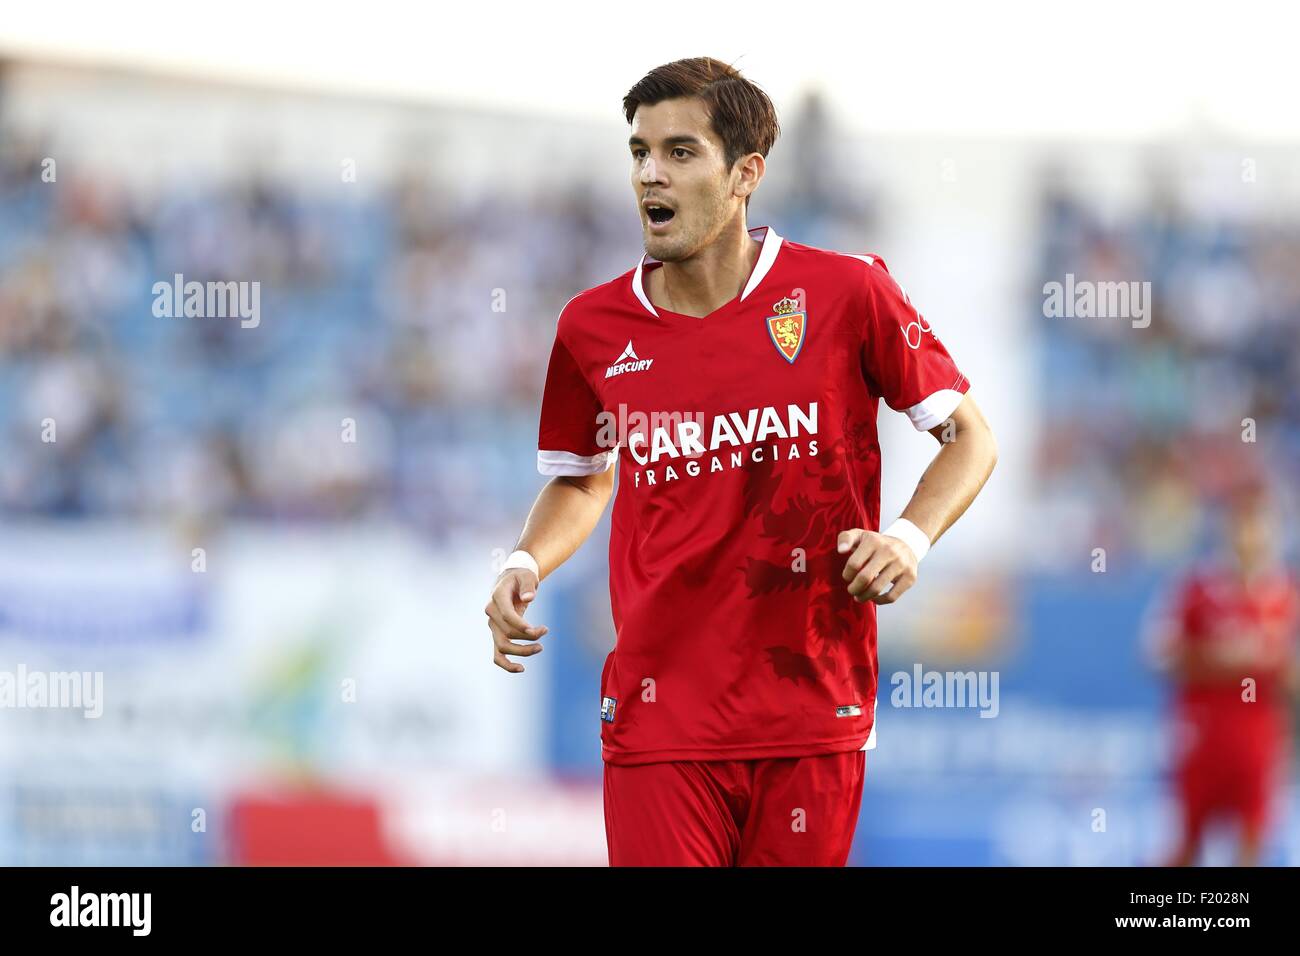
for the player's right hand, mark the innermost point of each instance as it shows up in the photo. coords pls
(513, 592)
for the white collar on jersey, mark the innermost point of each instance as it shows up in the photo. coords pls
(766, 256)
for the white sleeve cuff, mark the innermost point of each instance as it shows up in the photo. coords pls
(567, 463)
(934, 409)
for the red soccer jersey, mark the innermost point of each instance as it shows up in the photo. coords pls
(746, 443)
(1256, 621)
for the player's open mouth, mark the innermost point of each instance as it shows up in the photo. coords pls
(659, 216)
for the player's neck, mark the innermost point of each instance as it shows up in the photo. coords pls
(709, 279)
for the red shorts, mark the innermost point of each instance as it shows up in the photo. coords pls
(1228, 768)
(779, 811)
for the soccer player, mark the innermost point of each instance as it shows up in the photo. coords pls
(734, 377)
(1226, 640)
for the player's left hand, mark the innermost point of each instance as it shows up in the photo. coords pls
(876, 562)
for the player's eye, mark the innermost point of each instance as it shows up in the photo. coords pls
(638, 153)
(683, 150)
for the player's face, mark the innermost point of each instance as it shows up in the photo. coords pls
(678, 164)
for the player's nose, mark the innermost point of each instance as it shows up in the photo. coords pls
(649, 171)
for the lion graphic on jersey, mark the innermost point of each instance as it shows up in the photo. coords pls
(810, 524)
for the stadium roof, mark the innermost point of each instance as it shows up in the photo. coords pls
(1108, 68)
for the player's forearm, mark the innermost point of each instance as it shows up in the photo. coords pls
(953, 479)
(565, 513)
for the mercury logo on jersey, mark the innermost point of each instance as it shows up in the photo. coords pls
(628, 362)
(736, 439)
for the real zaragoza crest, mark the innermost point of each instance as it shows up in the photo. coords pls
(787, 328)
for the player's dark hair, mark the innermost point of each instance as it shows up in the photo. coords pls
(741, 114)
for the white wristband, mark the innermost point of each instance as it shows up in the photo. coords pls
(521, 559)
(911, 535)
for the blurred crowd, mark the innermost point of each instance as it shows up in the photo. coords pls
(396, 365)
(374, 313)
(1145, 429)
(394, 371)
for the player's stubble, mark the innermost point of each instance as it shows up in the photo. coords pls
(697, 226)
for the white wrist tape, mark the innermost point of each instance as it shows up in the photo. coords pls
(910, 534)
(521, 559)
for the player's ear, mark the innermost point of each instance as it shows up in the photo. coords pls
(749, 172)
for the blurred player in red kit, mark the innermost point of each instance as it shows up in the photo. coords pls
(734, 377)
(1226, 641)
